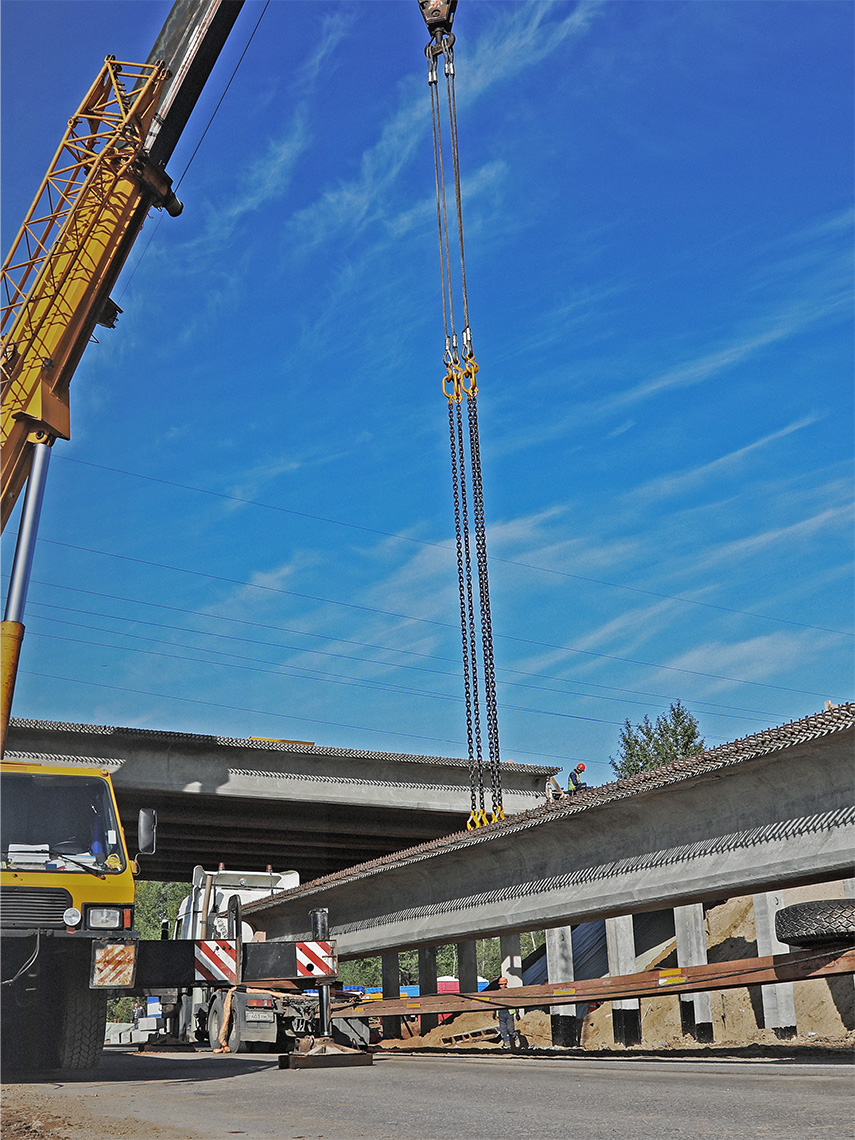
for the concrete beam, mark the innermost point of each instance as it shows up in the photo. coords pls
(695, 1009)
(248, 803)
(626, 1012)
(779, 1003)
(737, 820)
(193, 764)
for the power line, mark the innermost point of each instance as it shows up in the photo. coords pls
(448, 548)
(343, 641)
(145, 249)
(421, 620)
(266, 713)
(307, 671)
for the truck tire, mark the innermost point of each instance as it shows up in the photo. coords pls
(813, 923)
(215, 1021)
(82, 1027)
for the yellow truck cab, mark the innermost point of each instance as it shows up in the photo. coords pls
(66, 911)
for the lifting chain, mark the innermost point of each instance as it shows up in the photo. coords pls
(460, 383)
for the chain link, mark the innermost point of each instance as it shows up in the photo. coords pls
(461, 379)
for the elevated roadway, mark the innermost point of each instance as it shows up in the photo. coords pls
(772, 810)
(248, 803)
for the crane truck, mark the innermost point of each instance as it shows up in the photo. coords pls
(67, 912)
(245, 993)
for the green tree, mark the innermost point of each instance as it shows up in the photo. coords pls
(156, 901)
(673, 736)
(153, 903)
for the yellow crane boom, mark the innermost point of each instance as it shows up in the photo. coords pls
(106, 175)
(67, 256)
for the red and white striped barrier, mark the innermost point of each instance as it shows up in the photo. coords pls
(314, 958)
(215, 960)
(113, 964)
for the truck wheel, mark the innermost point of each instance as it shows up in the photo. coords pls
(812, 923)
(82, 1027)
(215, 1021)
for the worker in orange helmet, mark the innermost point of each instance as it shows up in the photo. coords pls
(575, 781)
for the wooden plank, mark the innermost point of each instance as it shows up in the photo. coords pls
(802, 965)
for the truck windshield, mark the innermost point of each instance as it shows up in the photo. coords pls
(58, 823)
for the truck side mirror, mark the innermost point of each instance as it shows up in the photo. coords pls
(147, 831)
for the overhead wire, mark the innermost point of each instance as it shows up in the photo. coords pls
(144, 250)
(261, 712)
(338, 639)
(445, 546)
(306, 670)
(426, 621)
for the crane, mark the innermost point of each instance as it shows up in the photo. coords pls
(107, 174)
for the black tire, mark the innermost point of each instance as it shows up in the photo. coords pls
(215, 1021)
(82, 1028)
(812, 923)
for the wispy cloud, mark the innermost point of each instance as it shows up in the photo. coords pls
(521, 36)
(681, 481)
(798, 532)
(336, 27)
(268, 178)
(754, 659)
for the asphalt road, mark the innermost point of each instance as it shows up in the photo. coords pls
(206, 1097)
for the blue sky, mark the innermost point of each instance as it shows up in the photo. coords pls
(250, 532)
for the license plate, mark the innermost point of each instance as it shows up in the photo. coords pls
(260, 1015)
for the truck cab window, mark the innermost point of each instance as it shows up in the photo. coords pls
(59, 823)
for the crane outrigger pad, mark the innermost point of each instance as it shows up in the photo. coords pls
(325, 1055)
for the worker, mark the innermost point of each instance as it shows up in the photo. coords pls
(507, 1023)
(575, 782)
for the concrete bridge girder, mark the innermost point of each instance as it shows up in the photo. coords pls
(251, 802)
(775, 819)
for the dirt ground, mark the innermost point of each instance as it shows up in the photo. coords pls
(23, 1117)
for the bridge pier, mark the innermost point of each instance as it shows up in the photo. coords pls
(626, 1012)
(779, 1003)
(428, 985)
(565, 1022)
(695, 1009)
(467, 966)
(390, 967)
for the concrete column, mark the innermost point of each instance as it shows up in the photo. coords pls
(779, 1004)
(566, 1024)
(427, 984)
(467, 966)
(391, 973)
(695, 1009)
(626, 1012)
(511, 955)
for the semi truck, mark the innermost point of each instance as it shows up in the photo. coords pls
(66, 911)
(247, 993)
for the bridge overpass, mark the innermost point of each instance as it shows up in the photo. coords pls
(295, 805)
(772, 810)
